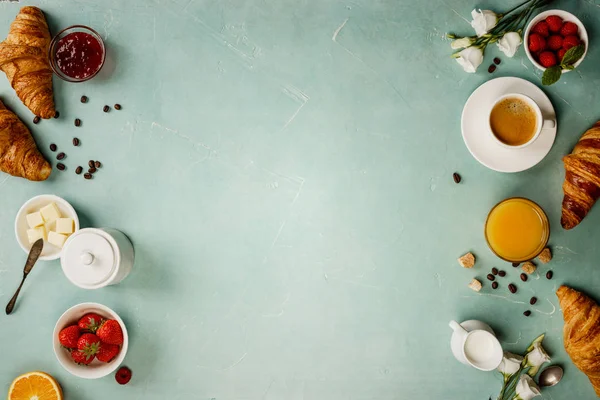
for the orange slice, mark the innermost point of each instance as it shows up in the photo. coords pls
(35, 386)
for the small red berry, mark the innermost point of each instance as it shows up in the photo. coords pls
(548, 59)
(560, 54)
(541, 28)
(555, 23)
(568, 29)
(536, 43)
(555, 42)
(123, 375)
(570, 41)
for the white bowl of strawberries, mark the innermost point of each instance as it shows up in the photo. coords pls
(550, 35)
(90, 340)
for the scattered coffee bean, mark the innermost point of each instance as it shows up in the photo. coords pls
(494, 285)
(61, 156)
(512, 288)
(527, 313)
(106, 109)
(490, 277)
(76, 142)
(495, 271)
(79, 170)
(92, 170)
(36, 120)
(117, 107)
(502, 273)
(77, 122)
(533, 300)
(56, 114)
(84, 99)
(549, 275)
(492, 68)
(53, 147)
(523, 277)
(61, 166)
(87, 175)
(456, 177)
(515, 265)
(97, 164)
(497, 61)
(91, 163)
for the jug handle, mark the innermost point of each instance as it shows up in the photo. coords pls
(456, 327)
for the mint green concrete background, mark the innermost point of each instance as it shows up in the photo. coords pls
(284, 169)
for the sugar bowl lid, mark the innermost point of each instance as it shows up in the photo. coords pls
(90, 258)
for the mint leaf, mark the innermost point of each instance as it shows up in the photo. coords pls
(551, 75)
(573, 55)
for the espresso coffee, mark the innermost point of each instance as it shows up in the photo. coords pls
(513, 121)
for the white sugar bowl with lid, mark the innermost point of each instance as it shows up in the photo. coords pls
(94, 258)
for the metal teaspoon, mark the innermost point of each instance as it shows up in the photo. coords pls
(33, 256)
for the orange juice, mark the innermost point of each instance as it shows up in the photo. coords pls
(517, 229)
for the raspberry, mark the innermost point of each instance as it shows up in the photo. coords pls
(541, 28)
(536, 43)
(560, 54)
(570, 41)
(555, 42)
(123, 375)
(568, 29)
(555, 23)
(548, 59)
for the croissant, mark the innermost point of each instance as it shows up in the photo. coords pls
(581, 333)
(19, 156)
(582, 178)
(24, 60)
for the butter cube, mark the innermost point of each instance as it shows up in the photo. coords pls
(35, 234)
(50, 212)
(64, 225)
(56, 239)
(35, 219)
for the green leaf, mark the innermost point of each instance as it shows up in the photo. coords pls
(551, 75)
(573, 55)
(538, 339)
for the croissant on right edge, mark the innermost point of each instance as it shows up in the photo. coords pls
(582, 178)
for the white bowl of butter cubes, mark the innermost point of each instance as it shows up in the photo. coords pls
(47, 217)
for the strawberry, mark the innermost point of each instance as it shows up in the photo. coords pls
(69, 336)
(80, 357)
(88, 344)
(568, 29)
(555, 23)
(110, 332)
(123, 375)
(541, 28)
(560, 54)
(90, 322)
(570, 41)
(536, 43)
(548, 59)
(555, 42)
(107, 352)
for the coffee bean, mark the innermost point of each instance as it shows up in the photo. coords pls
(492, 68)
(87, 175)
(497, 61)
(502, 273)
(515, 265)
(61, 166)
(527, 313)
(494, 285)
(97, 164)
(106, 109)
(523, 277)
(533, 300)
(75, 142)
(490, 277)
(84, 99)
(77, 122)
(53, 147)
(56, 114)
(117, 107)
(456, 177)
(549, 275)
(91, 163)
(92, 170)
(36, 120)
(512, 288)
(79, 170)
(61, 156)
(495, 271)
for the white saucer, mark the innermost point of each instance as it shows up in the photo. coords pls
(476, 131)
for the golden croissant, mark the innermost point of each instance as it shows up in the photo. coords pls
(582, 178)
(581, 333)
(19, 156)
(24, 60)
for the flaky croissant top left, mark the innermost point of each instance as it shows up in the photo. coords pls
(24, 60)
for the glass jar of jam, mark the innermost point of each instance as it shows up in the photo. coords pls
(77, 53)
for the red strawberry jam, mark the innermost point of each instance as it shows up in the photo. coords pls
(79, 55)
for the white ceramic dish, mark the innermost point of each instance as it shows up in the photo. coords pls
(96, 369)
(566, 16)
(479, 139)
(50, 252)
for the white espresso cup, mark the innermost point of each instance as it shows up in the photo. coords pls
(479, 348)
(540, 122)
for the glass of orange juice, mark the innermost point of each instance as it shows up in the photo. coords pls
(517, 229)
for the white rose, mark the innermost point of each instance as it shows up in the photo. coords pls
(510, 364)
(535, 358)
(469, 58)
(461, 43)
(509, 43)
(483, 21)
(526, 389)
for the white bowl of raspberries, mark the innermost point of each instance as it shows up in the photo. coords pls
(550, 34)
(90, 340)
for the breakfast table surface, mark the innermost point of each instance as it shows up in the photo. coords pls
(284, 170)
